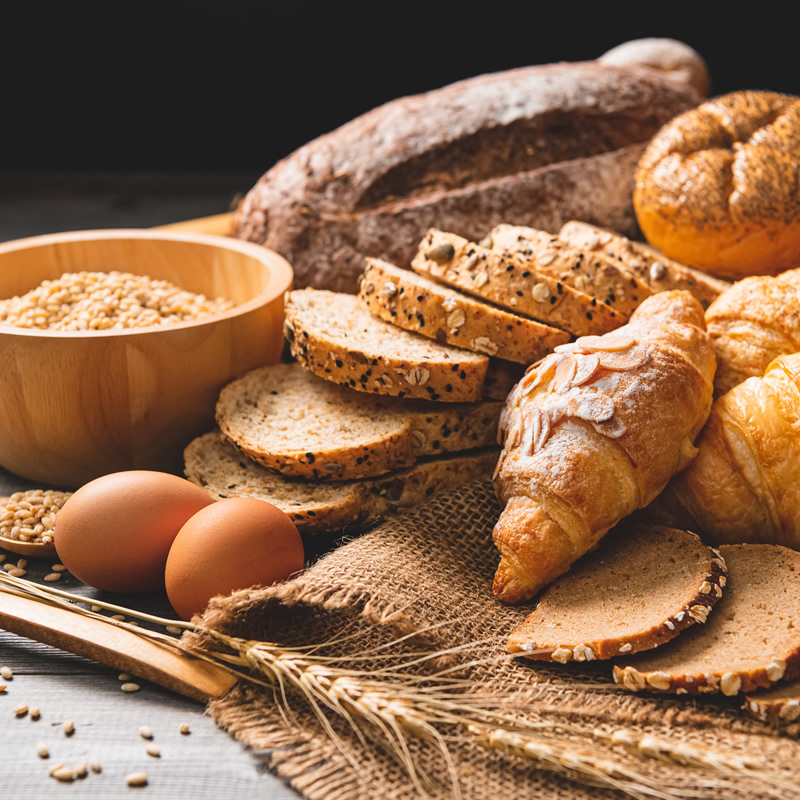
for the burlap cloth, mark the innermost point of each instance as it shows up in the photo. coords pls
(430, 571)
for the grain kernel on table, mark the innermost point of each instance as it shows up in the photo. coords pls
(81, 770)
(52, 577)
(136, 779)
(6, 673)
(68, 727)
(42, 750)
(185, 729)
(35, 712)
(153, 750)
(130, 687)
(21, 710)
(146, 732)
(63, 774)
(95, 767)
(124, 676)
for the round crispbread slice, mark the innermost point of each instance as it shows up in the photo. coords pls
(335, 336)
(214, 464)
(639, 588)
(289, 420)
(416, 303)
(751, 640)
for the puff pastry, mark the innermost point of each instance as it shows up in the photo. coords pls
(593, 432)
(744, 485)
(755, 321)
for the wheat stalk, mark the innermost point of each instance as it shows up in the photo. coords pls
(400, 702)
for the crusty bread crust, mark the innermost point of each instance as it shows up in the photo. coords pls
(535, 145)
(417, 304)
(512, 283)
(717, 187)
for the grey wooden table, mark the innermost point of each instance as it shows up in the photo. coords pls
(206, 764)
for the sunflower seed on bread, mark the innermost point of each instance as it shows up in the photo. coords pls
(640, 588)
(581, 269)
(336, 337)
(289, 420)
(214, 464)
(751, 639)
(416, 303)
(659, 273)
(512, 284)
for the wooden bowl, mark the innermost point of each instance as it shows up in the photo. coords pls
(76, 405)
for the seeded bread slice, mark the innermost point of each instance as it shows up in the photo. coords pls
(511, 284)
(289, 420)
(581, 269)
(779, 705)
(751, 640)
(416, 303)
(501, 376)
(659, 273)
(214, 464)
(640, 588)
(336, 337)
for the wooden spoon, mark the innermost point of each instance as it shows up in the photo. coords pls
(32, 549)
(115, 646)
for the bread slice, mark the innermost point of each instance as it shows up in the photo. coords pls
(581, 269)
(336, 337)
(751, 640)
(779, 705)
(512, 284)
(213, 463)
(416, 303)
(287, 419)
(640, 588)
(659, 273)
(501, 377)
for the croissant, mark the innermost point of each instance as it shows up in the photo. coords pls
(752, 323)
(593, 432)
(744, 485)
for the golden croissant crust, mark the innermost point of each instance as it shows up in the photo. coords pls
(593, 432)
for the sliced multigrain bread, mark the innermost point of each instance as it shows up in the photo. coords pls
(501, 377)
(289, 420)
(419, 304)
(779, 705)
(659, 273)
(336, 337)
(640, 588)
(751, 639)
(582, 269)
(213, 463)
(512, 284)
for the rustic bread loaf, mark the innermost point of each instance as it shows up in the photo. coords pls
(535, 145)
(751, 639)
(653, 268)
(717, 187)
(415, 303)
(640, 588)
(289, 420)
(213, 463)
(335, 336)
(587, 272)
(512, 283)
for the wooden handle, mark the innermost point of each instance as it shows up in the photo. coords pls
(218, 224)
(112, 645)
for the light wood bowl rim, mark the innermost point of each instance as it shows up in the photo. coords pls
(281, 275)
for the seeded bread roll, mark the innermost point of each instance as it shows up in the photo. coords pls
(535, 145)
(512, 284)
(289, 420)
(214, 464)
(717, 187)
(588, 273)
(640, 588)
(653, 268)
(751, 640)
(415, 303)
(335, 336)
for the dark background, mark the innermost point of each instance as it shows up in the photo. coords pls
(213, 93)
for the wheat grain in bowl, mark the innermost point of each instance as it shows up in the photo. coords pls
(83, 301)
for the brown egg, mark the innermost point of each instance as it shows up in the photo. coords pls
(232, 544)
(114, 533)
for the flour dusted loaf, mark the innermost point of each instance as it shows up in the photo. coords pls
(415, 303)
(289, 420)
(511, 283)
(640, 588)
(316, 507)
(587, 272)
(535, 146)
(336, 337)
(751, 639)
(655, 269)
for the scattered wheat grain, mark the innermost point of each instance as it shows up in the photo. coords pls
(130, 687)
(41, 750)
(136, 779)
(146, 732)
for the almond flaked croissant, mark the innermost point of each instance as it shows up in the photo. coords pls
(744, 485)
(593, 432)
(753, 322)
